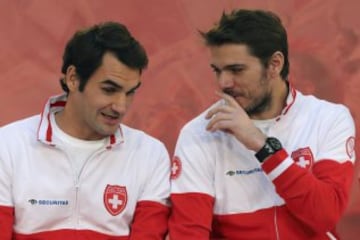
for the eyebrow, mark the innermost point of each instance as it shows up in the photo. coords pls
(114, 84)
(213, 66)
(230, 66)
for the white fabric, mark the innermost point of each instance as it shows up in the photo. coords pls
(34, 168)
(220, 166)
(78, 150)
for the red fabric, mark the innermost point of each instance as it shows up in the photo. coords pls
(261, 225)
(274, 160)
(150, 221)
(255, 225)
(324, 197)
(150, 224)
(198, 223)
(6, 222)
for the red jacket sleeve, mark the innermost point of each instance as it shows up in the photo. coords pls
(6, 222)
(318, 199)
(150, 221)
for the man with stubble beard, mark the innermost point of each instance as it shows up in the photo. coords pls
(265, 161)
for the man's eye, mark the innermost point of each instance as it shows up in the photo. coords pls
(216, 71)
(109, 90)
(130, 93)
(236, 70)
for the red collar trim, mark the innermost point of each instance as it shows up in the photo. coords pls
(45, 132)
(290, 100)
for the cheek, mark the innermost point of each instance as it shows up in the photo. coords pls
(129, 100)
(95, 104)
(258, 89)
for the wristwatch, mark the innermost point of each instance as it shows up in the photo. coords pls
(272, 145)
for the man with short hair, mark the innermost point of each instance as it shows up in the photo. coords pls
(75, 171)
(265, 161)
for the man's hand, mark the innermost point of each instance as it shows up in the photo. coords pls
(231, 118)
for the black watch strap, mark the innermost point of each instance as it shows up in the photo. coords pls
(272, 145)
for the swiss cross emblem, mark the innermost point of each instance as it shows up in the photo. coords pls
(303, 157)
(175, 167)
(115, 199)
(350, 147)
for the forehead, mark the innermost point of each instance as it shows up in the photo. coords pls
(113, 69)
(228, 54)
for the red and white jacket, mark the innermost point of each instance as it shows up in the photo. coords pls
(121, 193)
(221, 191)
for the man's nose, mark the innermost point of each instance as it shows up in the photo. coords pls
(225, 80)
(119, 104)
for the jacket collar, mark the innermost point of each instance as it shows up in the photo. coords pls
(290, 100)
(45, 130)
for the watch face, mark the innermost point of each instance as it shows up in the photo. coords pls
(275, 143)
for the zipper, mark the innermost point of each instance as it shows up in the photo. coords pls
(77, 181)
(76, 205)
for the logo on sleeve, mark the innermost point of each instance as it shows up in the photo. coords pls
(115, 199)
(175, 167)
(350, 147)
(303, 157)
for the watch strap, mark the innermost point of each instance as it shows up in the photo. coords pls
(271, 146)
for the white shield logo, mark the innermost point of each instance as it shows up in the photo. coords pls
(115, 199)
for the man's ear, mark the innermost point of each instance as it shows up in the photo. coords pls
(276, 64)
(71, 79)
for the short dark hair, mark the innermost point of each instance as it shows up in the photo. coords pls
(85, 50)
(261, 31)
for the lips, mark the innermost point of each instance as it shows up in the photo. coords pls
(111, 119)
(110, 116)
(236, 94)
(233, 93)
